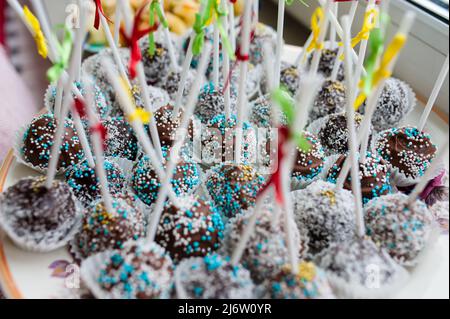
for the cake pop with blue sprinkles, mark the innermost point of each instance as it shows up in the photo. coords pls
(193, 228)
(212, 277)
(309, 282)
(83, 180)
(234, 187)
(146, 184)
(211, 102)
(374, 176)
(104, 230)
(401, 228)
(140, 270)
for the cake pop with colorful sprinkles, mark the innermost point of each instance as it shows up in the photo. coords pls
(102, 108)
(309, 163)
(145, 183)
(233, 187)
(211, 102)
(400, 228)
(261, 35)
(331, 99)
(334, 133)
(138, 271)
(39, 218)
(261, 112)
(85, 184)
(212, 277)
(156, 65)
(193, 229)
(326, 212)
(374, 176)
(349, 266)
(396, 102)
(310, 282)
(38, 140)
(120, 139)
(219, 137)
(266, 252)
(105, 230)
(326, 64)
(167, 125)
(408, 150)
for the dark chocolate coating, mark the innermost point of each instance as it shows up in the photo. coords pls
(38, 141)
(330, 99)
(156, 65)
(407, 149)
(193, 230)
(326, 64)
(310, 163)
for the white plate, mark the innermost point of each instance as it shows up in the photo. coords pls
(27, 275)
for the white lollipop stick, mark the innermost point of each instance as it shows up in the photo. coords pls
(334, 7)
(117, 23)
(362, 54)
(268, 57)
(175, 151)
(301, 59)
(226, 67)
(216, 56)
(136, 124)
(429, 174)
(232, 25)
(98, 146)
(242, 92)
(183, 78)
(338, 62)
(334, 21)
(58, 99)
(173, 59)
(353, 155)
(142, 82)
(434, 95)
(363, 133)
(280, 33)
(58, 137)
(323, 33)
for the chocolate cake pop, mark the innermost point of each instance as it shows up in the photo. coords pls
(326, 64)
(103, 230)
(38, 140)
(146, 184)
(120, 139)
(308, 164)
(233, 187)
(333, 134)
(326, 212)
(102, 108)
(84, 183)
(402, 229)
(94, 66)
(156, 65)
(219, 137)
(261, 110)
(331, 99)
(408, 150)
(266, 252)
(262, 34)
(212, 277)
(167, 125)
(309, 283)
(138, 271)
(195, 229)
(349, 264)
(37, 218)
(396, 102)
(171, 83)
(211, 102)
(374, 176)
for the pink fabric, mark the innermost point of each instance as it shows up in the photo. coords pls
(17, 106)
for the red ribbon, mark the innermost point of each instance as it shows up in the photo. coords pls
(99, 11)
(133, 40)
(79, 107)
(276, 179)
